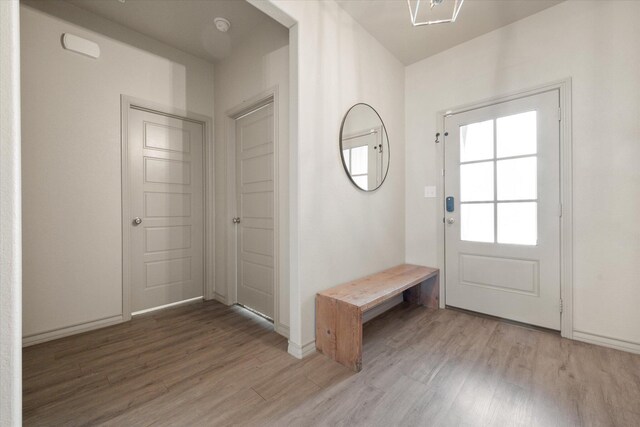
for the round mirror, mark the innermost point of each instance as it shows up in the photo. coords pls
(364, 146)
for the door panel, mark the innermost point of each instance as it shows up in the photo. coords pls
(503, 237)
(165, 171)
(159, 239)
(167, 205)
(255, 199)
(163, 137)
(168, 272)
(166, 193)
(515, 275)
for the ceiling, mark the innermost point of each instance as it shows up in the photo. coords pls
(389, 22)
(186, 24)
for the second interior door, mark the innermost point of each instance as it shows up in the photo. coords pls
(255, 210)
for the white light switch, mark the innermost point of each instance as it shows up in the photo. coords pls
(430, 191)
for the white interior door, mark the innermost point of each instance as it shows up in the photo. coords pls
(255, 210)
(166, 202)
(502, 214)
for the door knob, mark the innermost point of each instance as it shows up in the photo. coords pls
(236, 220)
(137, 220)
(450, 220)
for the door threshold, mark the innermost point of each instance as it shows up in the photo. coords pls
(257, 313)
(503, 320)
(162, 307)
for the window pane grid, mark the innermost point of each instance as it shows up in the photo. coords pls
(517, 179)
(500, 159)
(476, 141)
(516, 134)
(518, 223)
(476, 181)
(514, 210)
(357, 165)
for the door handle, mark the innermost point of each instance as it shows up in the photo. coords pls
(451, 220)
(236, 220)
(137, 220)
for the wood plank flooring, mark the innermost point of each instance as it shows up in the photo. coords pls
(207, 364)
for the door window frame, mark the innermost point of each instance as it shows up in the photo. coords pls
(496, 201)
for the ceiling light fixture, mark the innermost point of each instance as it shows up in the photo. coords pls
(222, 24)
(414, 7)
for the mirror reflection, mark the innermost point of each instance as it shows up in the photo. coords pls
(364, 146)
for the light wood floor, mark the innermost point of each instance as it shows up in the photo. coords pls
(208, 364)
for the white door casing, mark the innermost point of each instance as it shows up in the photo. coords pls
(502, 242)
(255, 206)
(165, 179)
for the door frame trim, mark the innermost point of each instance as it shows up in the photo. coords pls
(265, 97)
(566, 186)
(208, 162)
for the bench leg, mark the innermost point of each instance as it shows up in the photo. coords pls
(430, 293)
(339, 331)
(349, 336)
(413, 295)
(426, 293)
(326, 326)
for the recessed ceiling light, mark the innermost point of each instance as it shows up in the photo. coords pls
(222, 24)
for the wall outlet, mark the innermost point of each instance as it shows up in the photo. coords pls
(430, 191)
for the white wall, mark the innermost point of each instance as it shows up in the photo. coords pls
(260, 63)
(338, 232)
(597, 44)
(10, 226)
(71, 157)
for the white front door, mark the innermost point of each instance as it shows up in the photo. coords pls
(502, 210)
(166, 202)
(255, 210)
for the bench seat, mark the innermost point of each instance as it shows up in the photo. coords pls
(339, 310)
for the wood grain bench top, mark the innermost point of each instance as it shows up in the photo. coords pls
(373, 290)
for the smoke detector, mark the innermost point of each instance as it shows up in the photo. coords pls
(222, 24)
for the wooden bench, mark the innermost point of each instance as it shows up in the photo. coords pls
(339, 310)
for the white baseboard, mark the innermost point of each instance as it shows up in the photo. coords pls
(300, 352)
(282, 330)
(70, 330)
(618, 344)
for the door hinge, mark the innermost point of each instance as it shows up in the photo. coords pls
(559, 114)
(442, 171)
(560, 210)
(561, 305)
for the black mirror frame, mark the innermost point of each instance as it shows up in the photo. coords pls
(386, 134)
